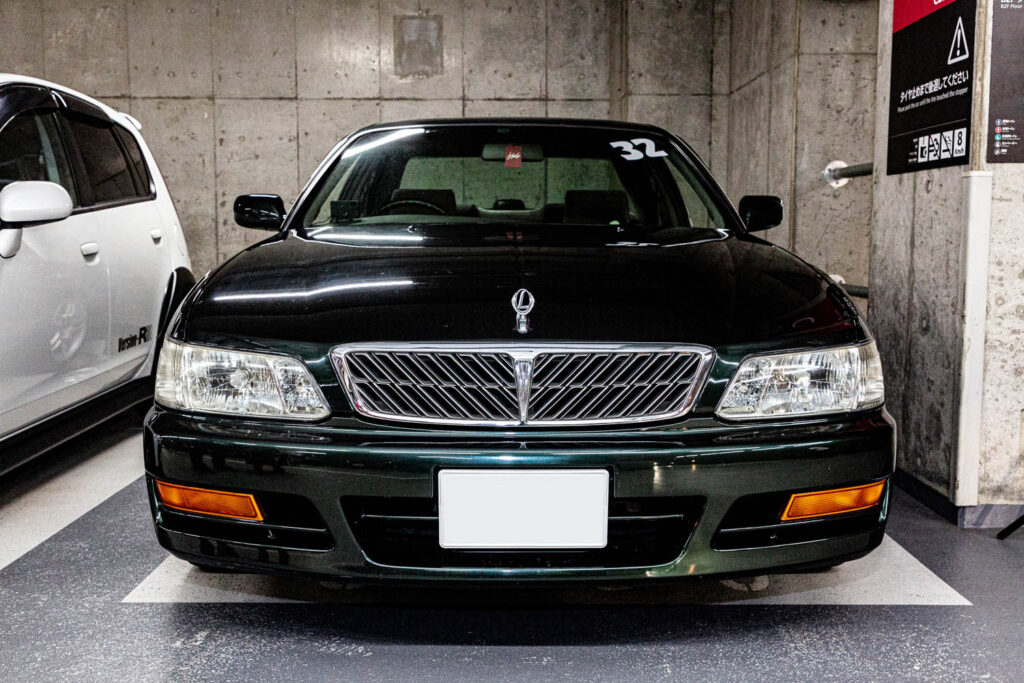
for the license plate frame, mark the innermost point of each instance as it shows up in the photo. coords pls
(523, 509)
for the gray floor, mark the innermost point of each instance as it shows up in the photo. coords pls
(87, 594)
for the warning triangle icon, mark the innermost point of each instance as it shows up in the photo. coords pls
(958, 51)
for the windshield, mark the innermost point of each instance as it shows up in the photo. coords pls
(512, 174)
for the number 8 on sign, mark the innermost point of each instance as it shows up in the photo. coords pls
(960, 142)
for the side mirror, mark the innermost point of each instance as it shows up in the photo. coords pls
(24, 202)
(260, 211)
(760, 212)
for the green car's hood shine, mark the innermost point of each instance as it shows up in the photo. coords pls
(455, 282)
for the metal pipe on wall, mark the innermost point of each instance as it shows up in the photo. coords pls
(838, 173)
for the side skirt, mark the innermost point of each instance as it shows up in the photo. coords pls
(19, 448)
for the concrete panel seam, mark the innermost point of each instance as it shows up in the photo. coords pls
(216, 176)
(618, 58)
(836, 54)
(982, 76)
(213, 93)
(213, 115)
(380, 62)
(128, 51)
(462, 47)
(689, 93)
(253, 98)
(796, 127)
(42, 47)
(295, 84)
(905, 408)
(547, 51)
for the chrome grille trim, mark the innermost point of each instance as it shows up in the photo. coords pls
(521, 384)
(572, 386)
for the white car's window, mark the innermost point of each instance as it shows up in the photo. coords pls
(131, 146)
(31, 149)
(106, 166)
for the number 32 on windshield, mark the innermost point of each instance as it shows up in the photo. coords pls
(638, 148)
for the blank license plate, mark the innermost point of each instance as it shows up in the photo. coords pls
(523, 509)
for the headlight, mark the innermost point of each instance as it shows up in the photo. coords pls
(212, 380)
(832, 380)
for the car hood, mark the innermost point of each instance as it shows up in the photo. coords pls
(455, 283)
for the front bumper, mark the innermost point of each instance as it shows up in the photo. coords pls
(720, 484)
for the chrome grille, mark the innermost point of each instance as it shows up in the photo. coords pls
(610, 386)
(471, 387)
(507, 385)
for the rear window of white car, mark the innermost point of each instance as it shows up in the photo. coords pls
(110, 172)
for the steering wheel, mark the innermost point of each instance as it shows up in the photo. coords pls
(416, 203)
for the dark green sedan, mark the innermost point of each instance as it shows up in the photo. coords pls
(517, 350)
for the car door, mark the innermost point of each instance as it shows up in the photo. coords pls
(54, 311)
(130, 234)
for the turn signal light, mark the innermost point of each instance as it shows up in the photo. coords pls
(833, 501)
(209, 502)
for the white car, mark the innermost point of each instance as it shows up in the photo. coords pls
(93, 262)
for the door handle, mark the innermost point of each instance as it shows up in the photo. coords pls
(157, 234)
(90, 249)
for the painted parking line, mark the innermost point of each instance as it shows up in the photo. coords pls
(36, 515)
(888, 576)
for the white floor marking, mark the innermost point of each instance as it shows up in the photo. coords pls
(888, 576)
(178, 581)
(33, 517)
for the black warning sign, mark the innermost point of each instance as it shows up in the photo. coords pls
(1006, 93)
(930, 90)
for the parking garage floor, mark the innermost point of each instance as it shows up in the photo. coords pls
(87, 594)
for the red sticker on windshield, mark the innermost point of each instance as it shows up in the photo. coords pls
(514, 156)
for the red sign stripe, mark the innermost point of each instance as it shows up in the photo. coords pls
(906, 12)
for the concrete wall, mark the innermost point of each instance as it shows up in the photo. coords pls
(1001, 473)
(918, 308)
(1001, 477)
(801, 93)
(248, 95)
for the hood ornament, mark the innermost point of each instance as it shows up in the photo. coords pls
(522, 303)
